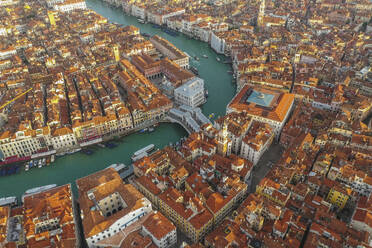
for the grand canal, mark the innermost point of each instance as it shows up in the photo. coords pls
(68, 168)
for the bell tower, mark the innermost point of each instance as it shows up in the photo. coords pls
(223, 141)
(261, 14)
(116, 53)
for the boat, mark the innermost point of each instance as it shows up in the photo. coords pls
(87, 151)
(27, 166)
(146, 35)
(43, 162)
(52, 158)
(206, 93)
(218, 59)
(9, 171)
(40, 164)
(74, 150)
(170, 32)
(143, 130)
(230, 72)
(141, 20)
(31, 164)
(156, 26)
(205, 56)
(48, 161)
(8, 201)
(194, 70)
(151, 129)
(110, 145)
(196, 58)
(101, 145)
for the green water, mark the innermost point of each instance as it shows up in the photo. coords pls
(70, 167)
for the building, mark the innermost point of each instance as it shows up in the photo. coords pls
(4, 220)
(108, 206)
(170, 51)
(63, 139)
(50, 219)
(256, 142)
(263, 105)
(338, 196)
(191, 93)
(188, 213)
(162, 232)
(361, 219)
(70, 5)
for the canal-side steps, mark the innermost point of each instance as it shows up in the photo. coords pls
(191, 119)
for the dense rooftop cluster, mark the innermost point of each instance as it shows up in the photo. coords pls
(303, 74)
(67, 78)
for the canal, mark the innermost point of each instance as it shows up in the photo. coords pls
(68, 168)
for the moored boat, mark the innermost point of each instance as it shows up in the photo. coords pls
(194, 70)
(151, 129)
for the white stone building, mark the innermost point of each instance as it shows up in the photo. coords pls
(191, 93)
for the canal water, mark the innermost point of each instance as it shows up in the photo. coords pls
(68, 168)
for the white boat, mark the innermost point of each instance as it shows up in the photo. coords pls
(145, 149)
(27, 167)
(52, 158)
(101, 145)
(8, 201)
(205, 56)
(138, 157)
(43, 162)
(218, 59)
(40, 164)
(141, 20)
(74, 151)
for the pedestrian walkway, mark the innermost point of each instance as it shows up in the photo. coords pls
(191, 119)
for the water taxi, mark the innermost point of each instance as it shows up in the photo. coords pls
(205, 56)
